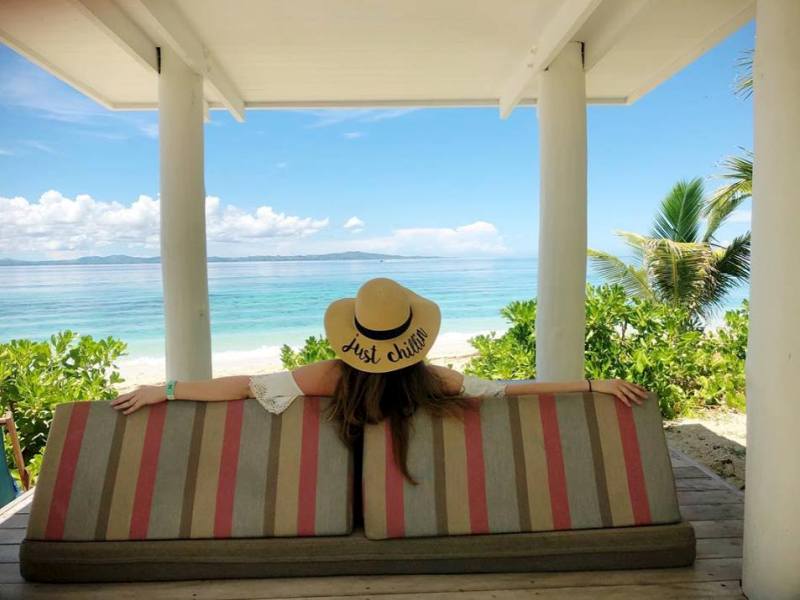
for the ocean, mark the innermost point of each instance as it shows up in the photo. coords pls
(255, 305)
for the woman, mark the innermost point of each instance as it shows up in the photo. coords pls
(380, 338)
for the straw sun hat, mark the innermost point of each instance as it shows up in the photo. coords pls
(384, 328)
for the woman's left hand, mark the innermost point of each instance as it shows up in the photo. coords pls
(625, 391)
(141, 396)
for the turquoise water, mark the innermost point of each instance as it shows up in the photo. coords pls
(253, 304)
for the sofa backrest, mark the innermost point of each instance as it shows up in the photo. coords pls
(180, 470)
(518, 464)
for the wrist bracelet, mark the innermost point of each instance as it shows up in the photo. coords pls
(171, 389)
(589, 381)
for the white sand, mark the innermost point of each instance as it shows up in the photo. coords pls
(451, 349)
(716, 438)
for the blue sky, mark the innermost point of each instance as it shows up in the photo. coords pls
(76, 179)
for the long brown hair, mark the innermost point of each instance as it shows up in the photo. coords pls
(363, 398)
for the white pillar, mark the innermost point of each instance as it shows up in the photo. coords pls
(561, 312)
(183, 220)
(772, 517)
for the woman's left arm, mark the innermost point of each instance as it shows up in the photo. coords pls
(626, 391)
(318, 379)
(234, 387)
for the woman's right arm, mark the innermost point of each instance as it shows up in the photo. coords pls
(625, 391)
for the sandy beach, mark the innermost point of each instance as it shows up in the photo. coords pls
(716, 438)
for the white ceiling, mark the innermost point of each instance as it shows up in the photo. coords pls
(290, 53)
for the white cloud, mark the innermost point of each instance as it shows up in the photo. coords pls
(383, 114)
(740, 216)
(61, 226)
(473, 239)
(353, 135)
(479, 238)
(281, 165)
(113, 136)
(335, 116)
(149, 130)
(37, 145)
(354, 224)
(232, 224)
(4, 152)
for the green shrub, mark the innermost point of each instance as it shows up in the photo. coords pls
(658, 346)
(36, 376)
(725, 349)
(313, 350)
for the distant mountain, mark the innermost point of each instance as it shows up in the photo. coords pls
(124, 259)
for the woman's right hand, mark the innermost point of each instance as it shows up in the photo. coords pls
(141, 396)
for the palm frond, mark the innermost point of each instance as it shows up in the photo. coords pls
(680, 213)
(735, 259)
(739, 173)
(743, 86)
(678, 270)
(636, 242)
(731, 268)
(615, 271)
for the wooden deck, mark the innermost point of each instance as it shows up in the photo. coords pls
(714, 508)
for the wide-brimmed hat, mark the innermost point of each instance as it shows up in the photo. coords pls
(384, 328)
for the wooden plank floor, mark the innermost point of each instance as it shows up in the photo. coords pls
(714, 508)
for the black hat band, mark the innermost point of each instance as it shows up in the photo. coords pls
(383, 334)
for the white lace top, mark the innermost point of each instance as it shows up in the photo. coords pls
(476, 387)
(276, 391)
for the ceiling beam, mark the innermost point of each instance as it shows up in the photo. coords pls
(569, 18)
(177, 33)
(412, 103)
(613, 19)
(107, 16)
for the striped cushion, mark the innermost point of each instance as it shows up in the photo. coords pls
(532, 463)
(180, 470)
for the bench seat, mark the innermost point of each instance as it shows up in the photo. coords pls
(194, 490)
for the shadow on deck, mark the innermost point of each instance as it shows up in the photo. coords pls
(714, 507)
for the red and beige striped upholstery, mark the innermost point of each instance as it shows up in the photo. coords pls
(180, 470)
(532, 463)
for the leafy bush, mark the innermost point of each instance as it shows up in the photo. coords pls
(35, 376)
(658, 346)
(314, 350)
(725, 350)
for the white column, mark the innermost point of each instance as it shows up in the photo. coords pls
(772, 516)
(183, 220)
(561, 312)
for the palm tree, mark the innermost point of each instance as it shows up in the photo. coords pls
(681, 261)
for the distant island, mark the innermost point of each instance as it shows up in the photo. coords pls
(124, 259)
